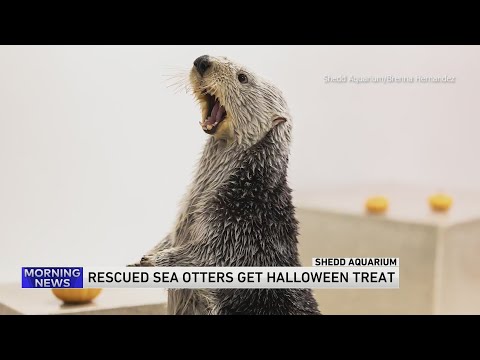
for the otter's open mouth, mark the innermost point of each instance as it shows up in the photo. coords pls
(215, 113)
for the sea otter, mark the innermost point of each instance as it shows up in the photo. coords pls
(238, 210)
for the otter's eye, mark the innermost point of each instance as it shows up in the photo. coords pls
(242, 78)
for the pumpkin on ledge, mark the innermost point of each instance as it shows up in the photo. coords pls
(76, 296)
(440, 202)
(376, 204)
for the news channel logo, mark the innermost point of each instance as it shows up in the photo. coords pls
(52, 277)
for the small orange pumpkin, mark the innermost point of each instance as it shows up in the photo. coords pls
(440, 202)
(76, 296)
(376, 204)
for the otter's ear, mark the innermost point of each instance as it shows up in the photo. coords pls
(278, 120)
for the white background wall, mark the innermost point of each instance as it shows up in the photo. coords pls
(96, 150)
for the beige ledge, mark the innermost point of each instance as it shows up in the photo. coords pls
(15, 300)
(439, 252)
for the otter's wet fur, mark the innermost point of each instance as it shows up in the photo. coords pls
(238, 210)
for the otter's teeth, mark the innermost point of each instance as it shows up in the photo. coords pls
(216, 123)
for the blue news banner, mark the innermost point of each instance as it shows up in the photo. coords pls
(52, 277)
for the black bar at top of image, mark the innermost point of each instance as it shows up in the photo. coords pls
(244, 25)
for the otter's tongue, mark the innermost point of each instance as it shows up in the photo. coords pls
(216, 116)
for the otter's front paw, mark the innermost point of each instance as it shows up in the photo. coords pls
(148, 260)
(161, 258)
(133, 265)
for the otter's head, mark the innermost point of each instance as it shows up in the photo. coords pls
(237, 105)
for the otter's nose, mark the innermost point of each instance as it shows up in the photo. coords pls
(202, 63)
